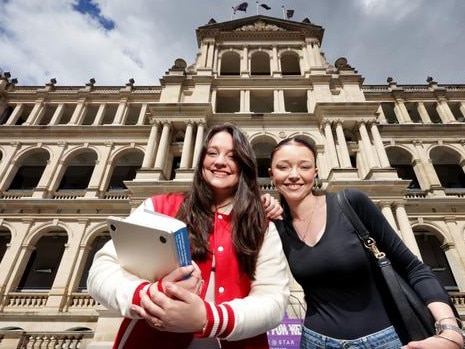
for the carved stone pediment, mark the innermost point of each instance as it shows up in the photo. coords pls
(260, 26)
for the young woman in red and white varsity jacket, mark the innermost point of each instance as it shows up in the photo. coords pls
(239, 286)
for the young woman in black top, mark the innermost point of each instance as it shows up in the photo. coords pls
(326, 257)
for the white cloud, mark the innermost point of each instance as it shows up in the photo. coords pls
(40, 40)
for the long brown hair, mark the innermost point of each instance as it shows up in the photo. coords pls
(248, 217)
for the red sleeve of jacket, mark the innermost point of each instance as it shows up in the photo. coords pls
(136, 295)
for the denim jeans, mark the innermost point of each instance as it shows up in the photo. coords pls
(384, 339)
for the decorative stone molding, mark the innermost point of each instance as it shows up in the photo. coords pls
(260, 26)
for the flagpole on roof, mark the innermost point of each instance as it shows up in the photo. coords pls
(284, 12)
(257, 6)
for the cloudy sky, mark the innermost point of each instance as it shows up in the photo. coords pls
(115, 40)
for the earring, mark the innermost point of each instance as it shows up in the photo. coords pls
(317, 183)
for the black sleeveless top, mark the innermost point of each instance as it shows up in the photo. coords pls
(338, 278)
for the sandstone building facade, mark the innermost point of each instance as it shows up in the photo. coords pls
(72, 155)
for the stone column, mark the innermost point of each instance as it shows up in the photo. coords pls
(59, 163)
(76, 118)
(149, 156)
(423, 113)
(60, 288)
(444, 112)
(37, 110)
(22, 259)
(203, 54)
(14, 256)
(244, 66)
(275, 64)
(214, 98)
(330, 145)
(42, 190)
(55, 120)
(427, 172)
(279, 105)
(186, 155)
(121, 113)
(344, 157)
(19, 108)
(8, 164)
(406, 229)
(379, 146)
(385, 208)
(307, 55)
(452, 248)
(245, 101)
(401, 112)
(198, 143)
(101, 171)
(316, 54)
(163, 146)
(100, 115)
(210, 53)
(216, 60)
(367, 147)
(142, 114)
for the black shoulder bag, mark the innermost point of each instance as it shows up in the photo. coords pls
(414, 320)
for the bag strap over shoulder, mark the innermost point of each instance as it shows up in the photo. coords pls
(413, 312)
(360, 228)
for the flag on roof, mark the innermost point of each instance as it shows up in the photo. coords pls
(265, 6)
(289, 14)
(241, 7)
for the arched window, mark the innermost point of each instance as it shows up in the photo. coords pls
(79, 171)
(125, 169)
(433, 255)
(262, 148)
(401, 160)
(230, 63)
(29, 173)
(290, 64)
(260, 63)
(44, 261)
(446, 163)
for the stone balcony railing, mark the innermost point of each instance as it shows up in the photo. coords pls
(82, 301)
(27, 301)
(19, 339)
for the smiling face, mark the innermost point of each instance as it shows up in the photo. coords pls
(219, 168)
(293, 170)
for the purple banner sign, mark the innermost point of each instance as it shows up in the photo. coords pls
(286, 335)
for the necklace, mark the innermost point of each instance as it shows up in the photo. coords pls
(226, 204)
(303, 236)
